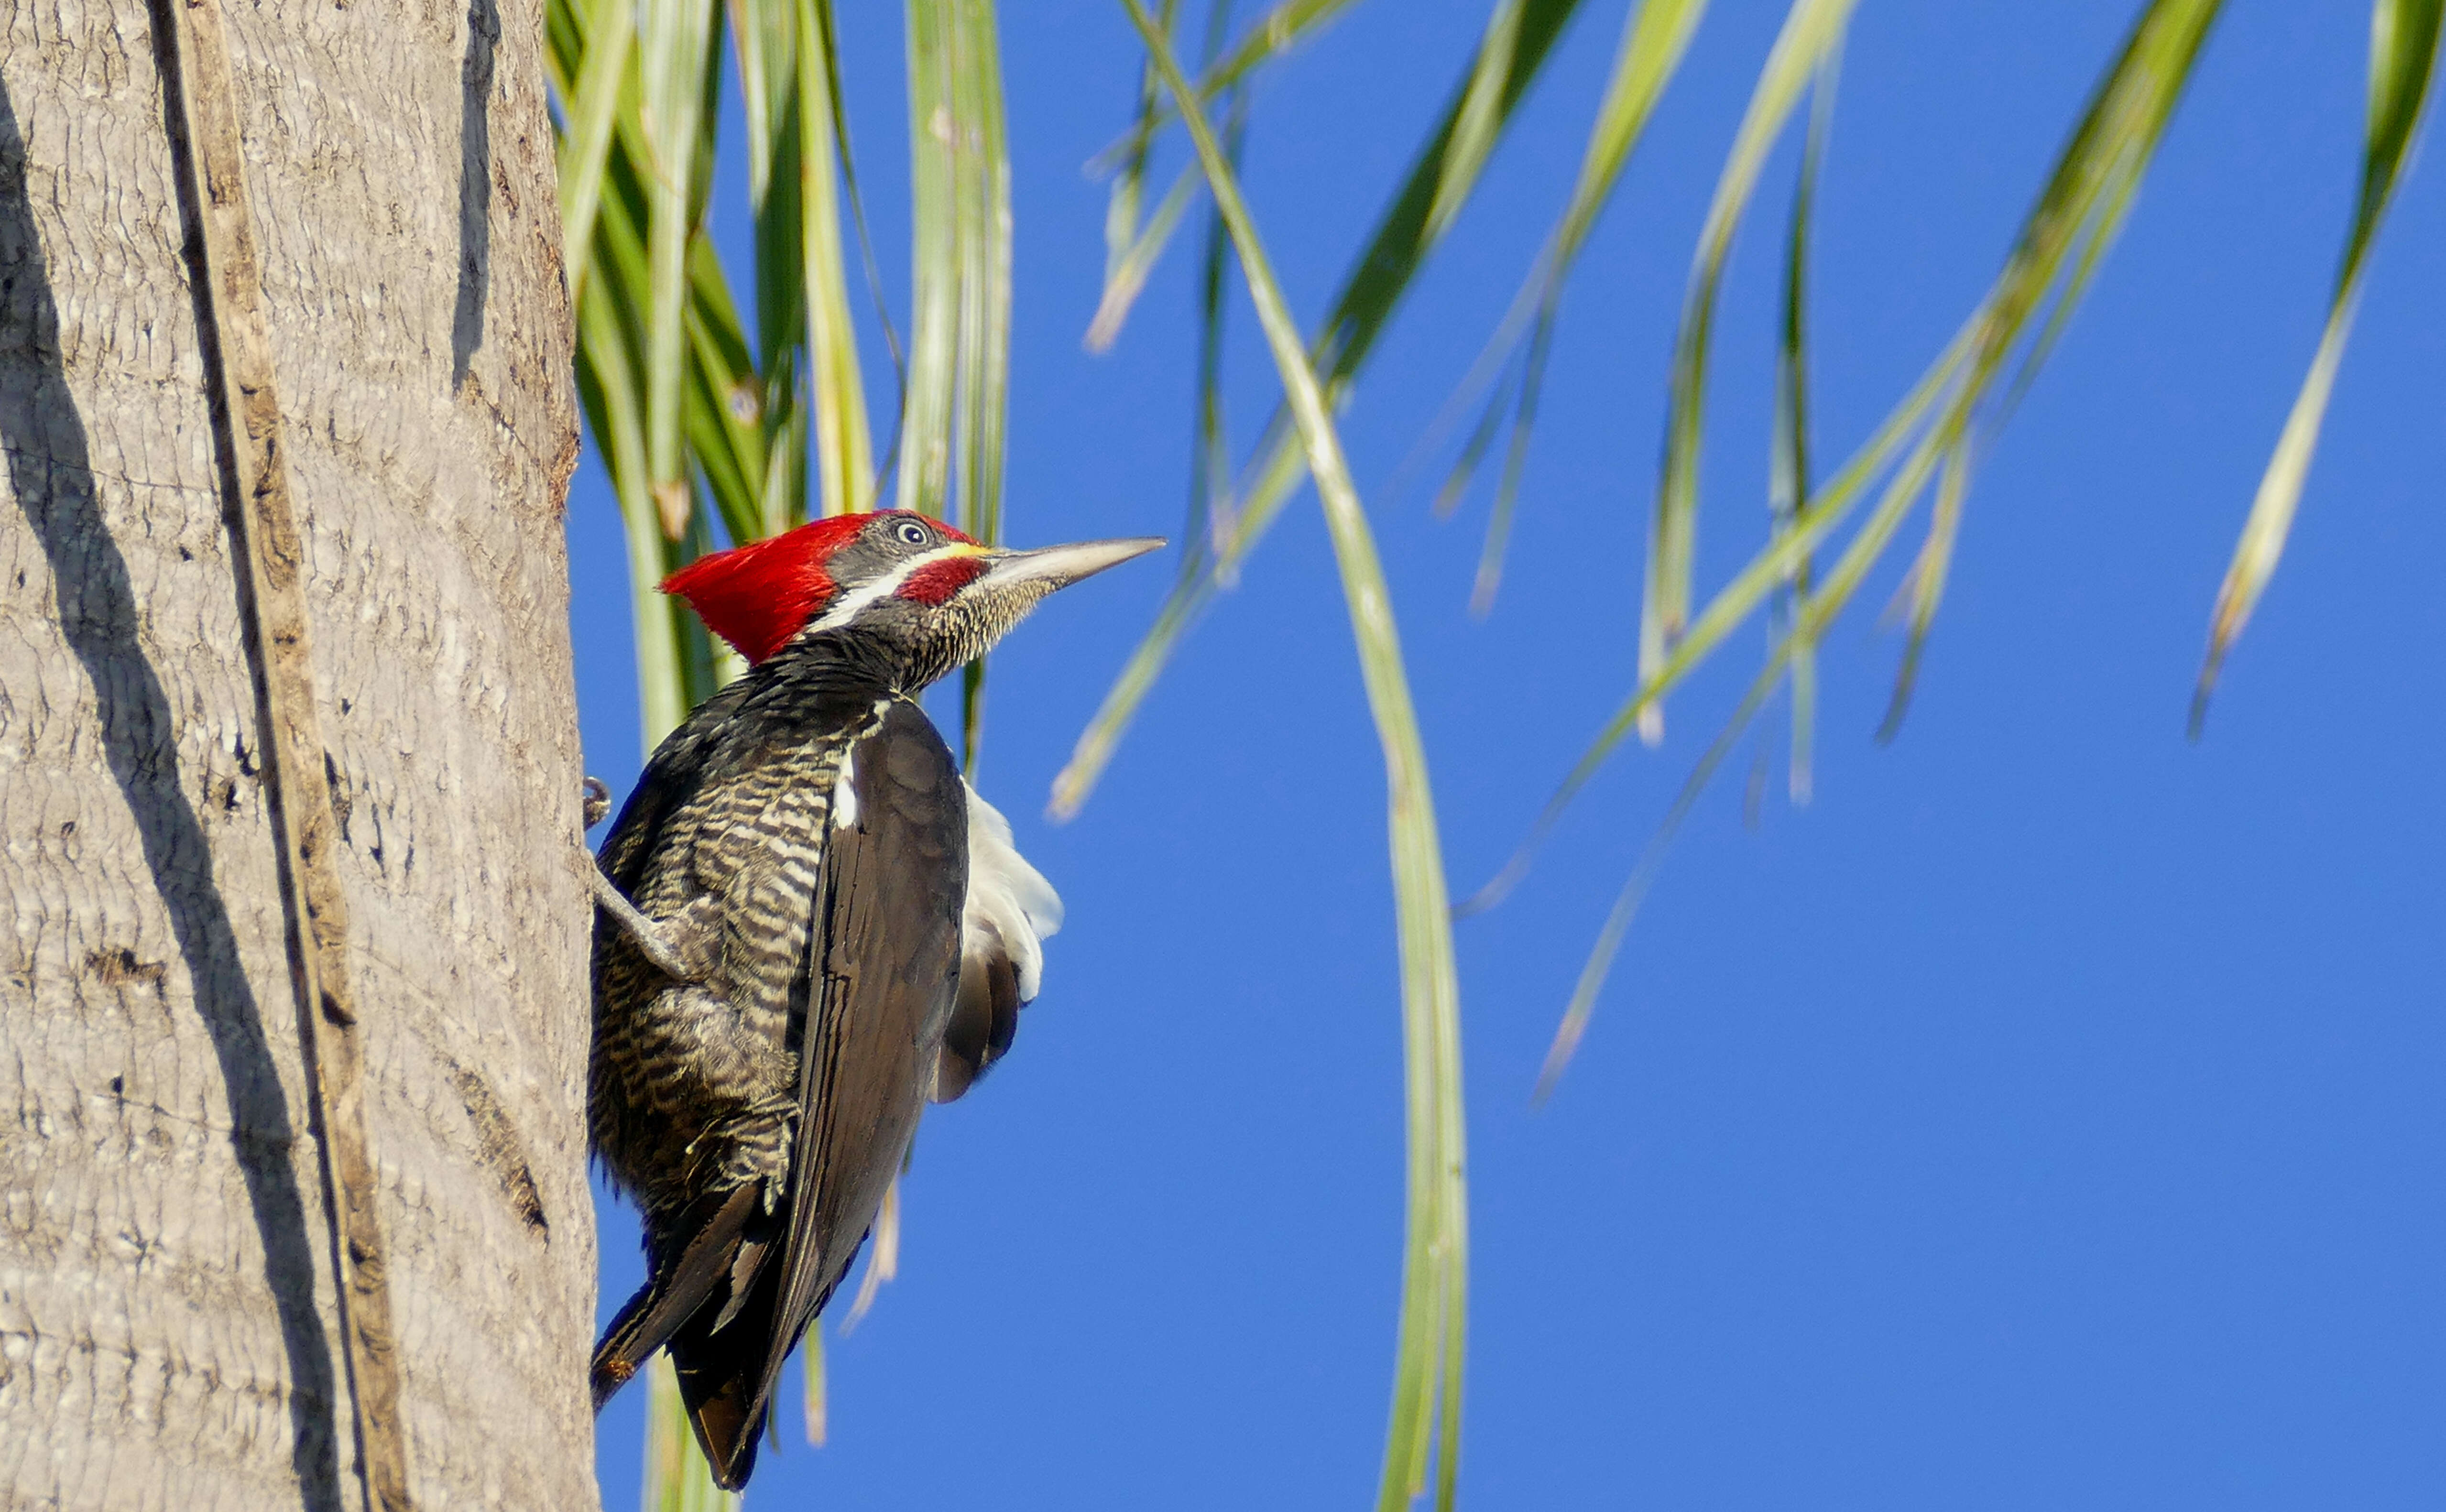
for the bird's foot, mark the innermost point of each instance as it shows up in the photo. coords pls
(650, 940)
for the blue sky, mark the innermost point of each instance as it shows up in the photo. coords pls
(2046, 1116)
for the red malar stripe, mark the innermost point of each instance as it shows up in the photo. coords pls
(933, 583)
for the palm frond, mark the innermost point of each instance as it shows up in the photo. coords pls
(1132, 250)
(1424, 1443)
(1283, 28)
(1362, 309)
(959, 341)
(2061, 241)
(593, 107)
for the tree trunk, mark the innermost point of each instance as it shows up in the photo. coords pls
(292, 934)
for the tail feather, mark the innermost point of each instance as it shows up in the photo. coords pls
(728, 1366)
(721, 1360)
(665, 1306)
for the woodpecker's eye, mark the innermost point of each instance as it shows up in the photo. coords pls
(912, 534)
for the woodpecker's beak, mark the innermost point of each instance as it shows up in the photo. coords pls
(1057, 566)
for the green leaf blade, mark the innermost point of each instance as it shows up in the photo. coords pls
(2404, 62)
(1363, 308)
(1422, 1441)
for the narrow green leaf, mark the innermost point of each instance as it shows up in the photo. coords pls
(764, 37)
(1642, 876)
(934, 261)
(591, 105)
(1788, 475)
(1121, 233)
(1128, 265)
(723, 414)
(1924, 584)
(1654, 37)
(960, 329)
(764, 40)
(1210, 459)
(882, 1258)
(1654, 41)
(982, 201)
(1473, 455)
(1811, 32)
(844, 453)
(1363, 308)
(1424, 1440)
(1478, 122)
(706, 665)
(676, 50)
(2403, 58)
(1276, 32)
(873, 271)
(1507, 493)
(610, 390)
(2076, 216)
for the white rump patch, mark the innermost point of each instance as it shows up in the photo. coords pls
(1012, 909)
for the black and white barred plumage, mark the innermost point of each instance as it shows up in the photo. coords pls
(853, 935)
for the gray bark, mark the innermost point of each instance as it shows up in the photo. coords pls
(170, 1324)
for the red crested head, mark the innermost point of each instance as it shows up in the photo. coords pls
(760, 595)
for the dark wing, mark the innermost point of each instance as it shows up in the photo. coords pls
(882, 974)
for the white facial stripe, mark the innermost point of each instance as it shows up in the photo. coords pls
(853, 604)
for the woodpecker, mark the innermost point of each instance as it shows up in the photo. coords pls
(810, 927)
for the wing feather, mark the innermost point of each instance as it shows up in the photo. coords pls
(880, 973)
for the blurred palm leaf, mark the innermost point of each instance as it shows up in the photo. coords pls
(1521, 33)
(1132, 250)
(1284, 27)
(1813, 30)
(959, 336)
(1933, 431)
(2403, 58)
(1653, 40)
(1788, 461)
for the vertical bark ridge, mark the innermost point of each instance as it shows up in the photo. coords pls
(235, 344)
